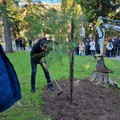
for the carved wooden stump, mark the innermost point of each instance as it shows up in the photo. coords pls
(100, 78)
(101, 75)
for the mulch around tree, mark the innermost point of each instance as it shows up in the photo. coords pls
(90, 102)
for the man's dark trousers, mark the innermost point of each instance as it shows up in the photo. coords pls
(34, 70)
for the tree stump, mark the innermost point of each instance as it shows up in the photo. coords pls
(100, 78)
(101, 75)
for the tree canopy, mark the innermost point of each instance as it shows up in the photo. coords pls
(94, 8)
(35, 19)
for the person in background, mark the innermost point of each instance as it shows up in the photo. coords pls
(76, 50)
(109, 48)
(87, 47)
(105, 44)
(30, 44)
(117, 39)
(23, 43)
(17, 43)
(37, 55)
(81, 47)
(92, 47)
(113, 51)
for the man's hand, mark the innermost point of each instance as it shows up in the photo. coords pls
(43, 47)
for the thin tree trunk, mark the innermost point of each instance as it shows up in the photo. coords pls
(71, 76)
(71, 63)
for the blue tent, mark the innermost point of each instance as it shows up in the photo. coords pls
(9, 84)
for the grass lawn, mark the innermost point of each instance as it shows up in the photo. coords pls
(30, 109)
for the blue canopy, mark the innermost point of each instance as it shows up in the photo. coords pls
(9, 84)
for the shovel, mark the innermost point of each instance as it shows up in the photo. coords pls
(61, 91)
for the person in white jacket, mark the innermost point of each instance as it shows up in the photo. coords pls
(109, 47)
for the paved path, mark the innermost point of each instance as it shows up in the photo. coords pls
(116, 58)
(14, 47)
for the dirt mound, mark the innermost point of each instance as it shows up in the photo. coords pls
(90, 102)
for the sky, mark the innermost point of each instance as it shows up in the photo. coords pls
(22, 2)
(51, 1)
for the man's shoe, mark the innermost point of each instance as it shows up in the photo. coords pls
(50, 86)
(33, 90)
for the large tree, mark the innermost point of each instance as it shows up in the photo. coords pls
(6, 23)
(13, 21)
(94, 8)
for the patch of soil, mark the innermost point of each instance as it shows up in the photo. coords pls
(90, 102)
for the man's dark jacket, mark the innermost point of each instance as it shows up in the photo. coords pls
(37, 53)
(9, 84)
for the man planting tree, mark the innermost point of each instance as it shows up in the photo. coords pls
(39, 50)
